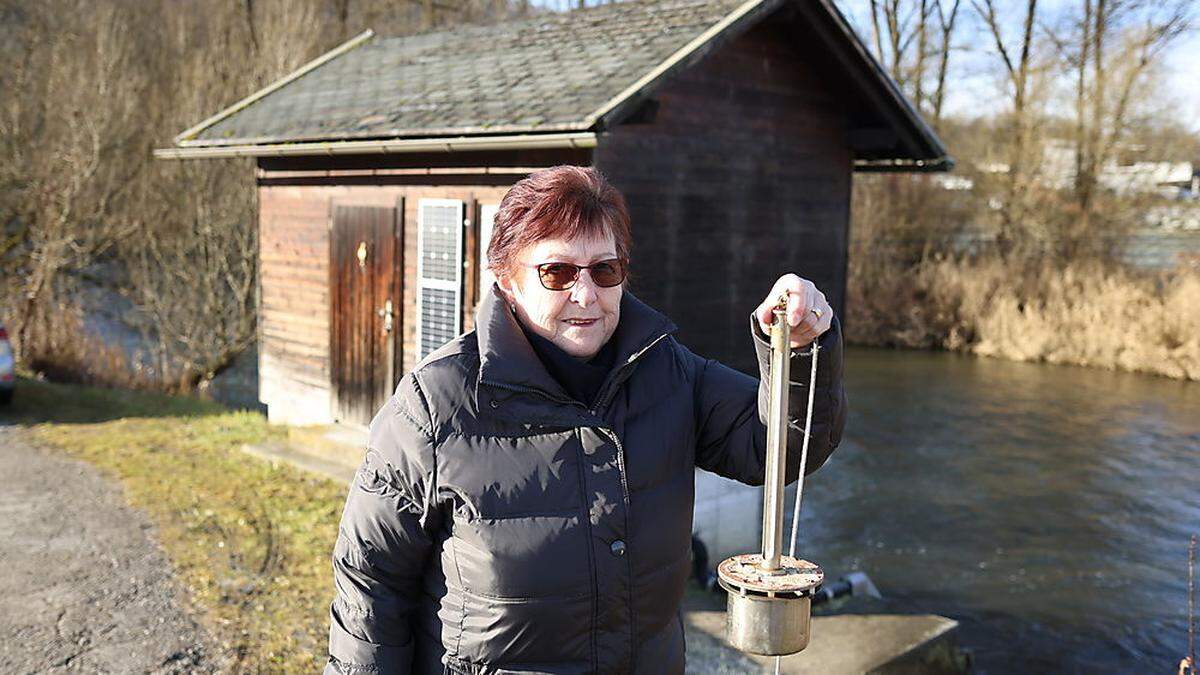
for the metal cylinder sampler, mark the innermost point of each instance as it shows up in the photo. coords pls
(769, 609)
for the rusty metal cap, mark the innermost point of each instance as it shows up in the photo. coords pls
(745, 574)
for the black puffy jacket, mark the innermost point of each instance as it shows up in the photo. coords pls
(498, 526)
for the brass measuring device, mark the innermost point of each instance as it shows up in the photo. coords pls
(769, 609)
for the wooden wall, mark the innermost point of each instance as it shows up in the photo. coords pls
(294, 349)
(293, 354)
(743, 175)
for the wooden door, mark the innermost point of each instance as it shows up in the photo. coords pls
(366, 270)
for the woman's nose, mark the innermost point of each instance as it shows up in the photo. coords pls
(583, 293)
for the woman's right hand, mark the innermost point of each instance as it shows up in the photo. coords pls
(808, 312)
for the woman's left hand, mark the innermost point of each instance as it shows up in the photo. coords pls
(807, 310)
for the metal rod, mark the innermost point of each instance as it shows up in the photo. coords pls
(777, 411)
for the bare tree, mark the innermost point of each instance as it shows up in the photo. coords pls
(1119, 42)
(74, 107)
(1017, 58)
(89, 88)
(914, 41)
(947, 20)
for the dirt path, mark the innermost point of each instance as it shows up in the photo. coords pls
(84, 586)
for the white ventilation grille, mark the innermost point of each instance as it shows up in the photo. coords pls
(439, 273)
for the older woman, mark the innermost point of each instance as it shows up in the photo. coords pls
(525, 504)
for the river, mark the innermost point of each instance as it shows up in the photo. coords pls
(1047, 508)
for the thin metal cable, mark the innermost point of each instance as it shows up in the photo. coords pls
(1191, 655)
(812, 388)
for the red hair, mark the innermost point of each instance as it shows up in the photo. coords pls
(561, 202)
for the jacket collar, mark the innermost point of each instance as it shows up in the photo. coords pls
(507, 359)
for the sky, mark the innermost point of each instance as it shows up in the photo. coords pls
(973, 71)
(1185, 78)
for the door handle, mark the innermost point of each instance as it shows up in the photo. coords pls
(387, 315)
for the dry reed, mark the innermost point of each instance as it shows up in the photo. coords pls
(1083, 313)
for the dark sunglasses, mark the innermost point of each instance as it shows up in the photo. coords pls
(560, 276)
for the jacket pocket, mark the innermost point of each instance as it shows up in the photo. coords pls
(523, 557)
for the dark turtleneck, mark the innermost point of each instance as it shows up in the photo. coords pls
(581, 379)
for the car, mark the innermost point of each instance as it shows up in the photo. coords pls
(8, 379)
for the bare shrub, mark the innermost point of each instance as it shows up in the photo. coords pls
(71, 105)
(60, 347)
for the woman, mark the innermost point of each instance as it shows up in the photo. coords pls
(525, 503)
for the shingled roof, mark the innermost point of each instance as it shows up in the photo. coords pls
(568, 72)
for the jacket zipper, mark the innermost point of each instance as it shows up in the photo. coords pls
(610, 391)
(595, 412)
(600, 405)
(628, 562)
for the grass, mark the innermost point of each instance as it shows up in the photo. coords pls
(250, 542)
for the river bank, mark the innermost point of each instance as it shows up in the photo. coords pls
(1089, 314)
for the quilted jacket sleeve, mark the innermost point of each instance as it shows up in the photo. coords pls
(732, 411)
(384, 540)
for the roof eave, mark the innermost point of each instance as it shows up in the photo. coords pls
(923, 143)
(396, 134)
(580, 140)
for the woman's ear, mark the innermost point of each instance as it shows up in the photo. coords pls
(505, 283)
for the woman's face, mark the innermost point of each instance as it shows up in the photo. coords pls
(580, 319)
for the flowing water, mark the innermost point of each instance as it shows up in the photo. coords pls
(1047, 508)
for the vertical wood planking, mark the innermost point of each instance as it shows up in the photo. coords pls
(743, 175)
(401, 274)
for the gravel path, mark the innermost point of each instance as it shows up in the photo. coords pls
(85, 587)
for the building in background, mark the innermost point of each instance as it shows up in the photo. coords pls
(733, 129)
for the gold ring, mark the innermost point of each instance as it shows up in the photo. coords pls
(816, 311)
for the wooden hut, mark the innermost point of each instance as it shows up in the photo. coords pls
(732, 127)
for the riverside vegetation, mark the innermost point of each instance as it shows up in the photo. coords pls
(1086, 313)
(1019, 254)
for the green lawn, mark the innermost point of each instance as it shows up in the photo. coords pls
(250, 541)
